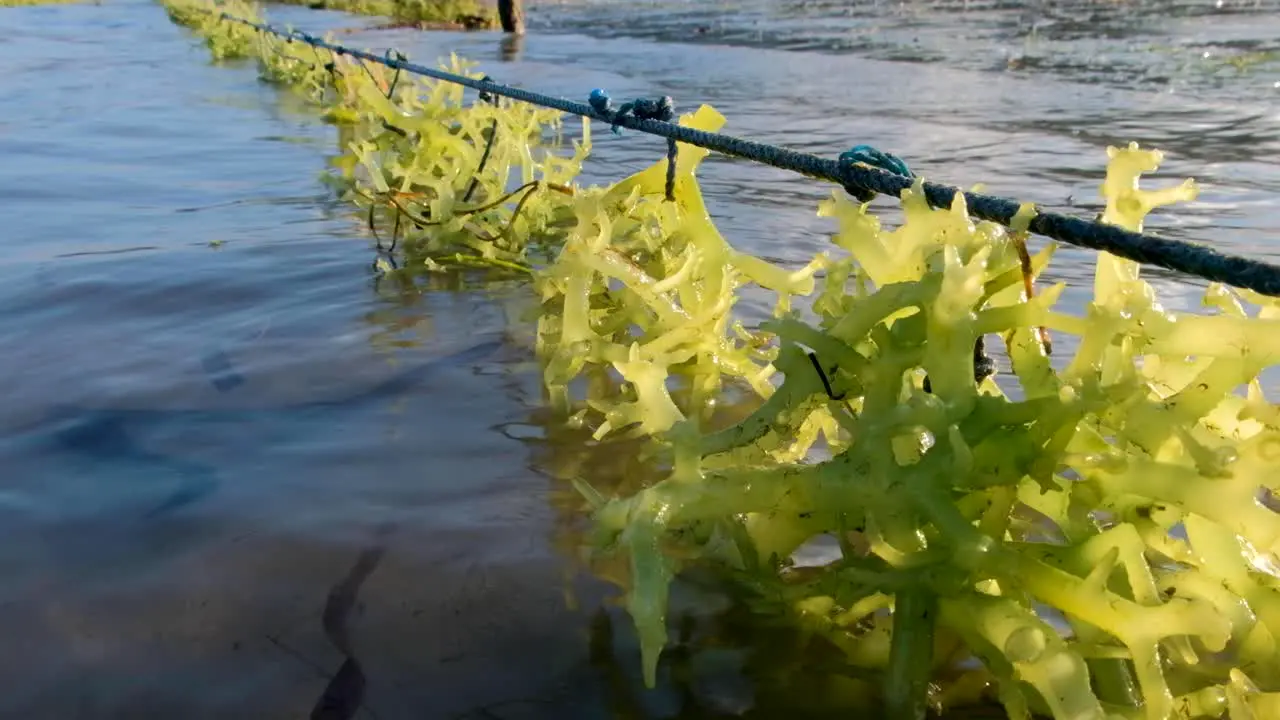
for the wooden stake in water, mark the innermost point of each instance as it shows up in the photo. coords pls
(511, 14)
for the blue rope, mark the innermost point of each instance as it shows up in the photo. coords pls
(662, 110)
(600, 102)
(863, 176)
(868, 155)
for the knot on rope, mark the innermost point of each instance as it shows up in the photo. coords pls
(394, 58)
(663, 110)
(867, 155)
(485, 95)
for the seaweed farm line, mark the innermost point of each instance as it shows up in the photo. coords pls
(323, 478)
(864, 171)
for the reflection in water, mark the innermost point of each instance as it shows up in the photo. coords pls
(511, 47)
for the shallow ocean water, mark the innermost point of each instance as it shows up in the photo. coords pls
(217, 417)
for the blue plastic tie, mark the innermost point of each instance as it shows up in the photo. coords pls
(867, 155)
(600, 102)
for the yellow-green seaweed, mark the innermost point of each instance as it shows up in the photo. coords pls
(1119, 487)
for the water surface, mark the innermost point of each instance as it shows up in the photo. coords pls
(234, 459)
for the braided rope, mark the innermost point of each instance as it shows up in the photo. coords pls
(853, 172)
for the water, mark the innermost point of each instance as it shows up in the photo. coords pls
(217, 422)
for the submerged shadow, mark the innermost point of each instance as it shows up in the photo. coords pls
(114, 435)
(344, 695)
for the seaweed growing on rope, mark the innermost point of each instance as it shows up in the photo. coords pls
(415, 156)
(1116, 487)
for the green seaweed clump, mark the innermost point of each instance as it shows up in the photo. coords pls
(1084, 539)
(1121, 492)
(444, 181)
(225, 40)
(426, 164)
(646, 287)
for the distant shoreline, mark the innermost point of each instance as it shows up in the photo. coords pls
(421, 14)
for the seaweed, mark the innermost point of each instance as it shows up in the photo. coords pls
(1117, 489)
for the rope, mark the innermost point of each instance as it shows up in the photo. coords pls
(488, 146)
(870, 156)
(861, 172)
(663, 110)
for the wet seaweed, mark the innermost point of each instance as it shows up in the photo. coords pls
(1144, 452)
